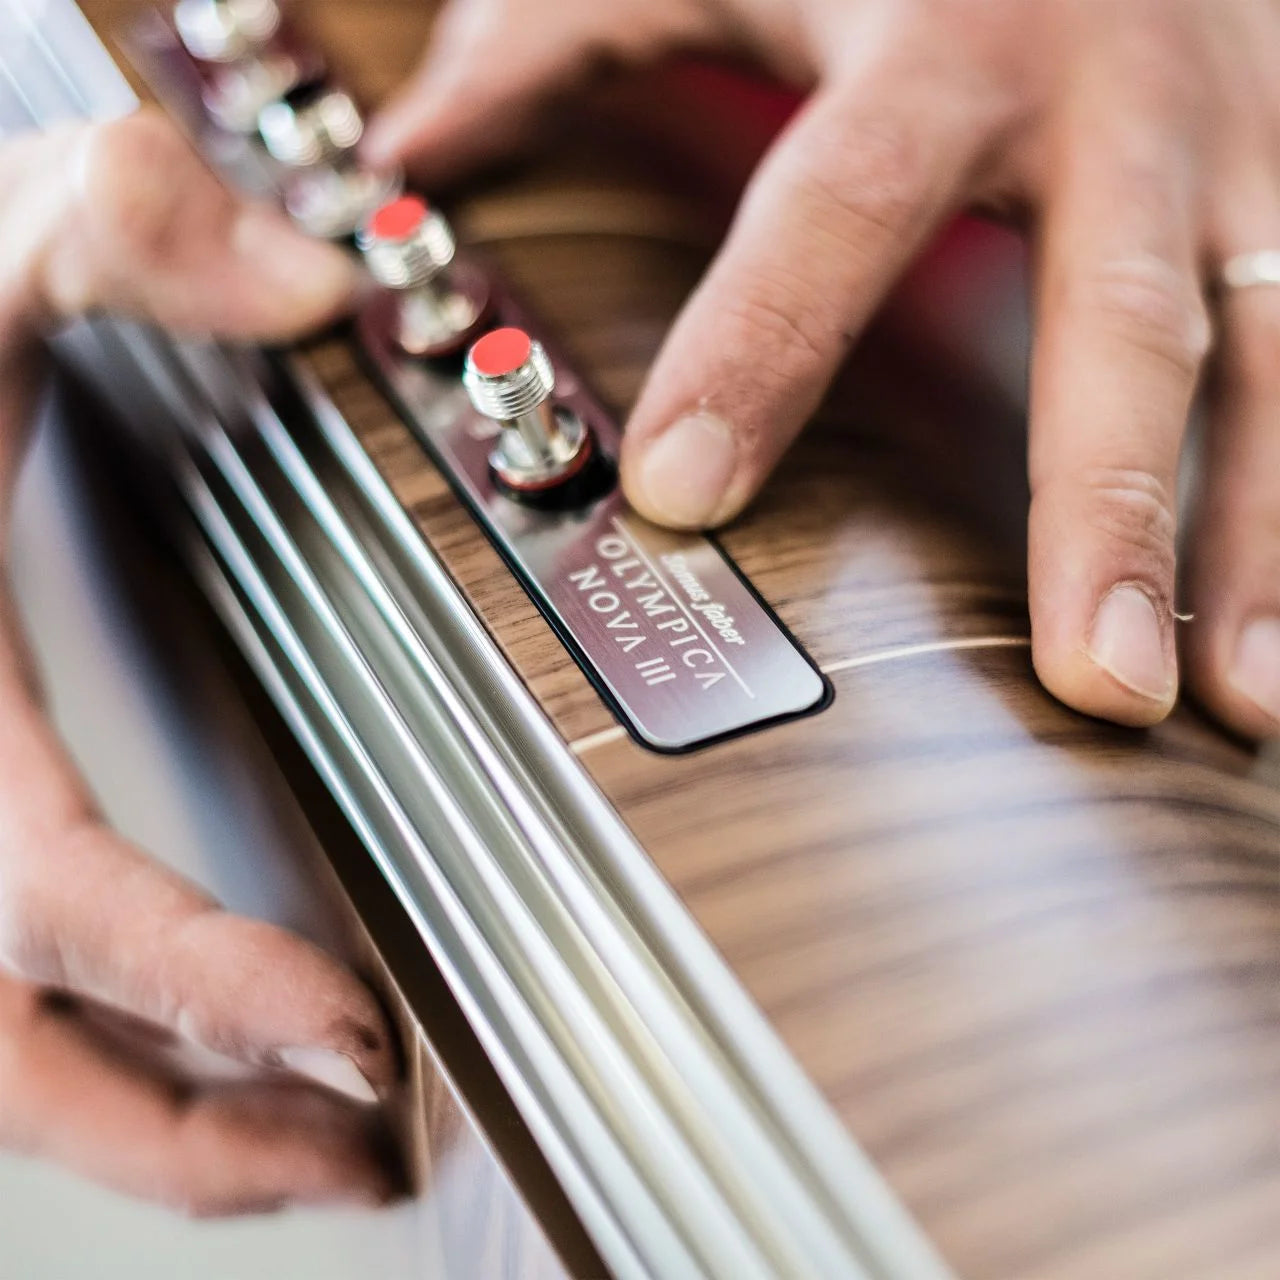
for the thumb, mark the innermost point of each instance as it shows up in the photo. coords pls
(124, 216)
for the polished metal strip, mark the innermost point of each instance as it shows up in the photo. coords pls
(694, 1084)
(525, 1073)
(732, 1163)
(680, 1185)
(335, 751)
(804, 1132)
(333, 766)
(561, 1119)
(717, 1258)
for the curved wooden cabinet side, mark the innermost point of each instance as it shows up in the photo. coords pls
(1031, 959)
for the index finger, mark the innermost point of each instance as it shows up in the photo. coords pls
(834, 214)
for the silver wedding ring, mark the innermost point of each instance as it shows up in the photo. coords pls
(1246, 270)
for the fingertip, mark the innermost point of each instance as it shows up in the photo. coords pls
(684, 477)
(385, 141)
(297, 282)
(312, 1015)
(1127, 641)
(1122, 668)
(401, 129)
(397, 130)
(353, 1050)
(1237, 677)
(1082, 685)
(257, 1148)
(153, 233)
(1100, 575)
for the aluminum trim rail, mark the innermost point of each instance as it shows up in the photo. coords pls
(623, 880)
(685, 1134)
(509, 1032)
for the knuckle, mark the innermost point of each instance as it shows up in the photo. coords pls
(1133, 512)
(1160, 64)
(872, 180)
(1152, 307)
(777, 320)
(652, 30)
(40, 902)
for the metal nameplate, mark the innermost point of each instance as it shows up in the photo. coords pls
(662, 623)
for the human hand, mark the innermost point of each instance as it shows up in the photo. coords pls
(123, 216)
(1140, 141)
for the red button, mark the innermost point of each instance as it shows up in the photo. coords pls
(399, 219)
(501, 352)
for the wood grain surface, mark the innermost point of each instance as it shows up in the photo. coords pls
(1030, 958)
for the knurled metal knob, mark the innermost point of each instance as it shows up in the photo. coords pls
(406, 244)
(409, 248)
(310, 125)
(511, 381)
(225, 30)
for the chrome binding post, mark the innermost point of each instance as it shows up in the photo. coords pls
(544, 453)
(410, 249)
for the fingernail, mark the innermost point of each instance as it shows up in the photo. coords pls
(332, 1070)
(1127, 642)
(318, 275)
(1256, 672)
(684, 473)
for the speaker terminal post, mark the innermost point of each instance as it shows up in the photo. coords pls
(441, 302)
(546, 455)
